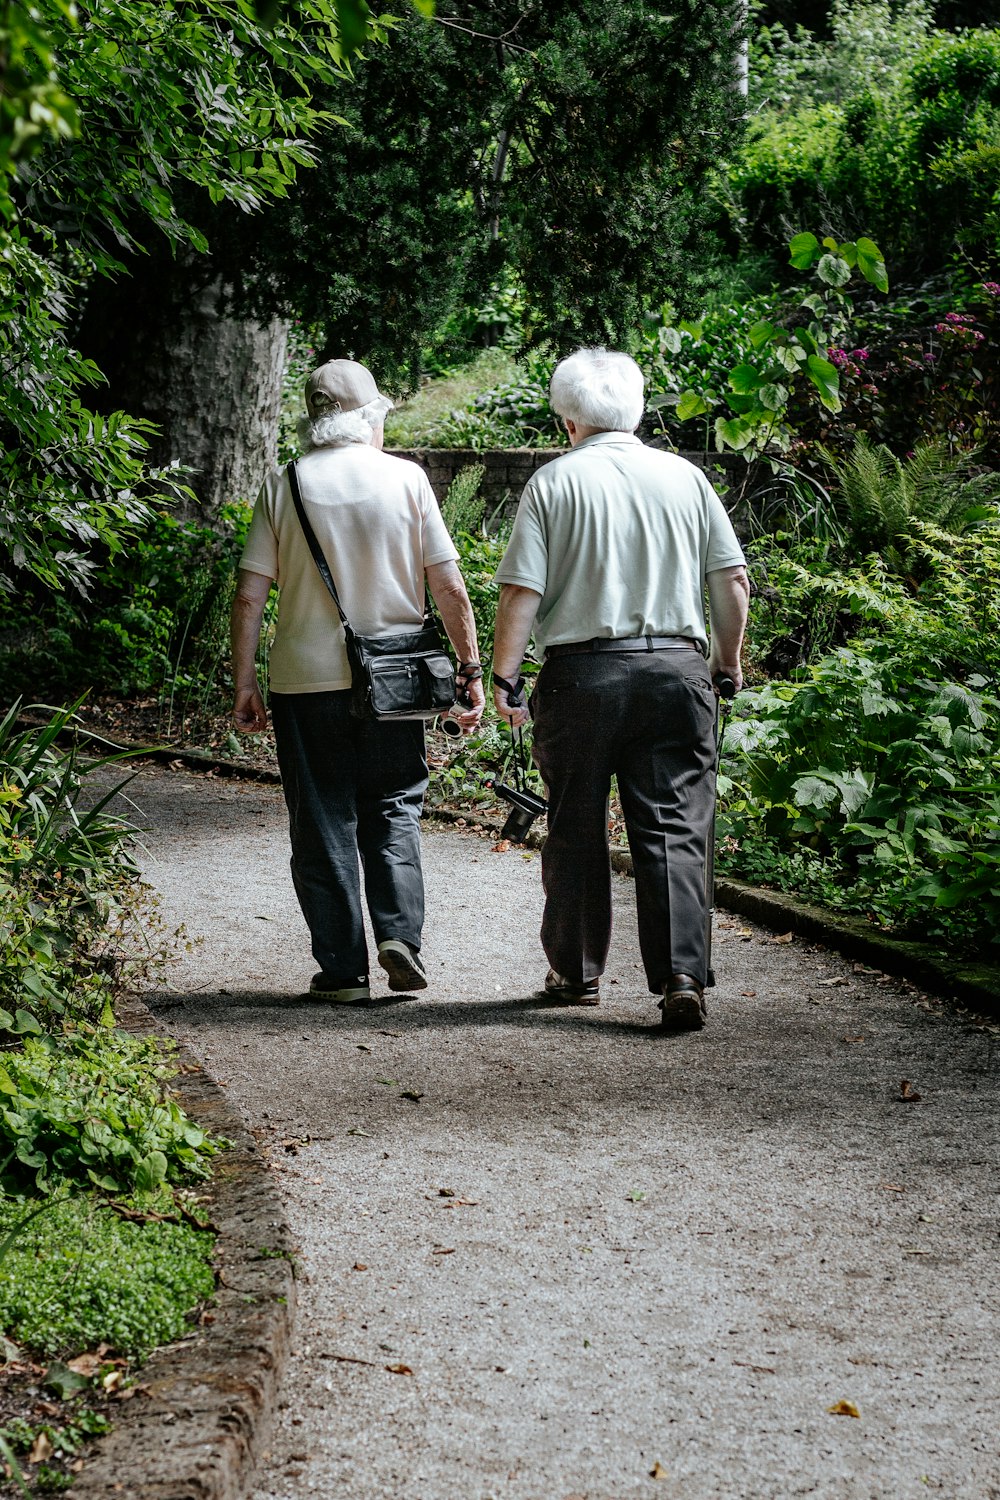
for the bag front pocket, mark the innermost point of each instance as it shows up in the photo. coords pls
(396, 686)
(439, 680)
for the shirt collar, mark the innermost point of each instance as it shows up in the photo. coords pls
(608, 437)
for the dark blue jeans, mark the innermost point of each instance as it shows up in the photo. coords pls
(649, 719)
(352, 787)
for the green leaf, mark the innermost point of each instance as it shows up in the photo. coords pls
(671, 340)
(25, 1024)
(804, 250)
(64, 1381)
(834, 270)
(744, 379)
(691, 405)
(773, 396)
(352, 18)
(734, 433)
(871, 264)
(813, 791)
(826, 380)
(151, 1172)
(6, 1020)
(7, 1085)
(761, 333)
(806, 340)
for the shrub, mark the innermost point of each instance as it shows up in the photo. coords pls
(156, 619)
(92, 1107)
(908, 156)
(66, 879)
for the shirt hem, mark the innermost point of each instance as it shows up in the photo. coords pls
(310, 687)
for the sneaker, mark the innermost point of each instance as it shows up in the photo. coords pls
(683, 1004)
(402, 964)
(337, 991)
(571, 991)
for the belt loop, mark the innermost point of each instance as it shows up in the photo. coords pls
(649, 642)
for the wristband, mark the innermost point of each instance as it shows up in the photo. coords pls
(470, 671)
(512, 689)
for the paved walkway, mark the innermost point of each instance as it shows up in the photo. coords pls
(551, 1254)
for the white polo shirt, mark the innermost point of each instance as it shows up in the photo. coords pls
(618, 539)
(379, 525)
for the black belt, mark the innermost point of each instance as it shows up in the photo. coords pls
(621, 643)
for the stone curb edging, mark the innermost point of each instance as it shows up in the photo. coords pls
(210, 1397)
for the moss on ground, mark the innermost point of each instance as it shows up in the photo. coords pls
(79, 1275)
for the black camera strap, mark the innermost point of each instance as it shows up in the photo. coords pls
(520, 758)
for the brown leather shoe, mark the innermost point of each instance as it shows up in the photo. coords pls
(562, 991)
(683, 1004)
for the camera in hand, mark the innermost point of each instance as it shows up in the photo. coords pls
(525, 807)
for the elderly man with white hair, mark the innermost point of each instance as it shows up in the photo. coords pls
(608, 561)
(353, 786)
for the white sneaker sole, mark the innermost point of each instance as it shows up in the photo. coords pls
(404, 968)
(342, 997)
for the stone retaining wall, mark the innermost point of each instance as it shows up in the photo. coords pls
(509, 469)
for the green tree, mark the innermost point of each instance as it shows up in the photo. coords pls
(561, 148)
(116, 117)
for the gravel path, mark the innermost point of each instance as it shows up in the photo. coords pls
(552, 1254)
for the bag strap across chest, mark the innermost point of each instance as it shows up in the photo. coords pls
(314, 546)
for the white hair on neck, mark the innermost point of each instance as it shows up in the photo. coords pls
(598, 388)
(335, 429)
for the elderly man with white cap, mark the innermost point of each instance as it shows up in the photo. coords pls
(353, 786)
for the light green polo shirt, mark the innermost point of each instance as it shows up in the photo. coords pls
(618, 539)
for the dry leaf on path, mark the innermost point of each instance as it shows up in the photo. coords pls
(41, 1449)
(501, 846)
(843, 1409)
(359, 1265)
(399, 1369)
(786, 937)
(907, 1094)
(657, 1471)
(413, 1094)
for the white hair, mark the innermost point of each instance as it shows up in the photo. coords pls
(334, 429)
(598, 388)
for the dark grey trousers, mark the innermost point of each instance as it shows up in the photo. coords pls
(352, 787)
(648, 718)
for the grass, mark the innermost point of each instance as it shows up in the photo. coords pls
(413, 423)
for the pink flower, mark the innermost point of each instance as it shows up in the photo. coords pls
(861, 354)
(993, 287)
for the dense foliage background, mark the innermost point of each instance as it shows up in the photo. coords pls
(201, 198)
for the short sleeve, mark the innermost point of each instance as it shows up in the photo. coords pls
(526, 559)
(724, 550)
(260, 552)
(436, 541)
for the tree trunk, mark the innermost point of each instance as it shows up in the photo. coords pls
(210, 382)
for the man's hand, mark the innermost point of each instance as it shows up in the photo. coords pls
(515, 715)
(516, 612)
(249, 713)
(468, 716)
(730, 669)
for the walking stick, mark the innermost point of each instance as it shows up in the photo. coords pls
(727, 692)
